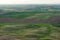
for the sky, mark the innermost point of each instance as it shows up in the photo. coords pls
(29, 1)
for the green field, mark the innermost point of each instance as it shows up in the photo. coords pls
(29, 22)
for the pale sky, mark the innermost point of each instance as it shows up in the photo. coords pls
(29, 1)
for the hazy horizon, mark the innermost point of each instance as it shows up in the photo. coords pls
(29, 2)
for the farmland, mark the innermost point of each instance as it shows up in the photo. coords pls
(29, 22)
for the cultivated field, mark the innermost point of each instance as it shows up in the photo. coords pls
(29, 22)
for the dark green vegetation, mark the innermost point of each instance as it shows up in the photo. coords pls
(30, 22)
